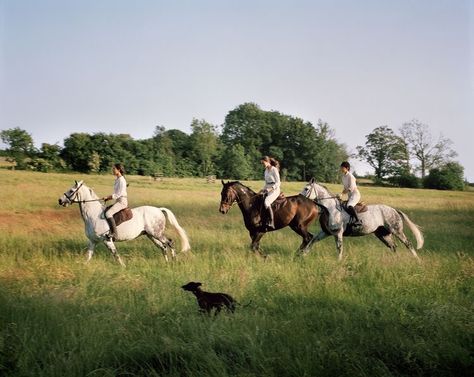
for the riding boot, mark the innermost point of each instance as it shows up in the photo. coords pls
(270, 224)
(113, 227)
(354, 218)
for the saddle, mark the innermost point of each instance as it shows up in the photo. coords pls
(279, 202)
(122, 216)
(359, 207)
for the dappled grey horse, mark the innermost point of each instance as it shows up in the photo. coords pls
(379, 219)
(146, 220)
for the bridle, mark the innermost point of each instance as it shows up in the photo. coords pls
(317, 199)
(230, 204)
(72, 197)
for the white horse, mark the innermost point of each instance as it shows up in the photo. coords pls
(146, 220)
(379, 219)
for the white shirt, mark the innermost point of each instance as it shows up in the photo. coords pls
(349, 182)
(272, 179)
(120, 188)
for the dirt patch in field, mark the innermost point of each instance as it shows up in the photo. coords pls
(44, 221)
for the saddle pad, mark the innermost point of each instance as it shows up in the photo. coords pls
(122, 216)
(279, 202)
(359, 207)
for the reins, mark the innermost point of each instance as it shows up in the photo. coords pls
(316, 199)
(79, 201)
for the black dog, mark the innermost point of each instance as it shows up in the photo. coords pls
(208, 301)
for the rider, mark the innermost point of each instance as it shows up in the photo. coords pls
(271, 189)
(350, 188)
(120, 196)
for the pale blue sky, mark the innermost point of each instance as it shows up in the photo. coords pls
(127, 66)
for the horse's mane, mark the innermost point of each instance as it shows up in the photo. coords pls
(326, 189)
(91, 191)
(241, 184)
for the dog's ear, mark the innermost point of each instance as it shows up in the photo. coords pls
(198, 284)
(223, 184)
(313, 180)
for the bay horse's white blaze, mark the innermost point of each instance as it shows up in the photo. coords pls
(379, 219)
(146, 220)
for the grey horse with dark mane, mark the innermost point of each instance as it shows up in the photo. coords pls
(382, 220)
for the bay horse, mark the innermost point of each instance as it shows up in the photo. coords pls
(147, 220)
(382, 220)
(297, 212)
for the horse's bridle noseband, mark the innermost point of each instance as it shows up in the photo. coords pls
(71, 197)
(73, 200)
(316, 199)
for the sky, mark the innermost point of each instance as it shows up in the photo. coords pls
(119, 66)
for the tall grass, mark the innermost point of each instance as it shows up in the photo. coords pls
(373, 314)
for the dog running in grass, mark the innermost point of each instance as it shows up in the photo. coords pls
(208, 301)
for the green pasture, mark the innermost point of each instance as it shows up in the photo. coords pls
(373, 314)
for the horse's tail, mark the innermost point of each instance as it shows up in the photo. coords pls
(415, 229)
(182, 234)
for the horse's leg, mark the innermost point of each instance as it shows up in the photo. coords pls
(339, 245)
(90, 251)
(256, 237)
(401, 236)
(318, 237)
(386, 237)
(111, 246)
(162, 244)
(302, 230)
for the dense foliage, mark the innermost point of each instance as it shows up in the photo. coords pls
(231, 151)
(447, 177)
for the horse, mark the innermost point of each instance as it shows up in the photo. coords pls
(146, 220)
(382, 220)
(297, 212)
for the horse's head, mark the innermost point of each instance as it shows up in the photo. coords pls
(228, 196)
(71, 195)
(310, 190)
(325, 201)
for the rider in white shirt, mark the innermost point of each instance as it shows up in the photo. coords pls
(350, 188)
(271, 189)
(120, 196)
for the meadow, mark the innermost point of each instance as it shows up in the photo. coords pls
(375, 313)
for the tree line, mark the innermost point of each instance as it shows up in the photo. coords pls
(234, 149)
(412, 158)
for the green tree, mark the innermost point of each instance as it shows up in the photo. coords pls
(303, 150)
(163, 152)
(204, 146)
(20, 145)
(52, 154)
(449, 176)
(94, 162)
(384, 151)
(77, 151)
(428, 152)
(235, 163)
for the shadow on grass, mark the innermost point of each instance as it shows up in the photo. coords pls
(283, 335)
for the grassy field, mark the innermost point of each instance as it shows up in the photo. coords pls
(373, 314)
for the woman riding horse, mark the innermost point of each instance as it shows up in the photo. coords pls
(271, 190)
(120, 196)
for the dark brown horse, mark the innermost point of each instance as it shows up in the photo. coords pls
(297, 211)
